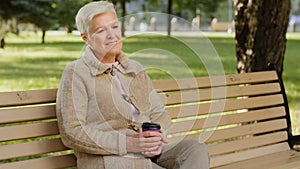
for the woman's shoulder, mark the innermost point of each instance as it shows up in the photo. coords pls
(70, 66)
(135, 66)
(74, 66)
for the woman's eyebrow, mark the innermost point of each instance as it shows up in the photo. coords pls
(108, 24)
(99, 27)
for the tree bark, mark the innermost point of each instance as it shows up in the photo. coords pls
(2, 43)
(260, 26)
(169, 28)
(123, 4)
(43, 36)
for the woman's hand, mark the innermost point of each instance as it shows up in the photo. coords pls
(148, 143)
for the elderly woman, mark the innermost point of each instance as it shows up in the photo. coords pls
(104, 97)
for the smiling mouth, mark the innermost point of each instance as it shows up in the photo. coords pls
(111, 43)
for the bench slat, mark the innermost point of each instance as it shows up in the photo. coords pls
(214, 81)
(288, 165)
(242, 144)
(27, 114)
(228, 133)
(224, 106)
(221, 93)
(43, 163)
(223, 120)
(31, 148)
(28, 131)
(283, 160)
(27, 97)
(267, 103)
(252, 153)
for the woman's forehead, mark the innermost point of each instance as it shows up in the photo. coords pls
(104, 19)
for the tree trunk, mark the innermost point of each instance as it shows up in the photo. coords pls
(169, 17)
(2, 43)
(260, 26)
(69, 29)
(43, 36)
(123, 3)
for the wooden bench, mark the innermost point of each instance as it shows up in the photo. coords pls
(243, 118)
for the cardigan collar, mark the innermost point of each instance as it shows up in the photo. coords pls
(96, 67)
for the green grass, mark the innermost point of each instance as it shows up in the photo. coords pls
(291, 78)
(27, 64)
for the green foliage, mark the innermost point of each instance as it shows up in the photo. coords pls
(8, 9)
(40, 13)
(66, 11)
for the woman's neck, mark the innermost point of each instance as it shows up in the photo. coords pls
(108, 60)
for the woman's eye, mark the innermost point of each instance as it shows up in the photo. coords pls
(100, 30)
(116, 26)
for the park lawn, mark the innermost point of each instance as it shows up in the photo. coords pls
(27, 64)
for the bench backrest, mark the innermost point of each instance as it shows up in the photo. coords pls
(29, 136)
(239, 116)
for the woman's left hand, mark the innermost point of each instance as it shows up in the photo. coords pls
(153, 153)
(158, 150)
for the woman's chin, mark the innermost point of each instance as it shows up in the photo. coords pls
(114, 51)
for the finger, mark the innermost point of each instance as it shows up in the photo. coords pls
(152, 149)
(151, 146)
(155, 134)
(151, 134)
(150, 140)
(153, 139)
(153, 153)
(149, 154)
(164, 140)
(144, 143)
(157, 138)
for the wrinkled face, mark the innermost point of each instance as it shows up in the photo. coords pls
(105, 37)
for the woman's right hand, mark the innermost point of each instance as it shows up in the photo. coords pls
(145, 142)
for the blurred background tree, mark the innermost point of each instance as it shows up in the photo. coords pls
(8, 14)
(41, 13)
(60, 14)
(66, 11)
(38, 12)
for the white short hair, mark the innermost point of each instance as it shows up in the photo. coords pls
(89, 11)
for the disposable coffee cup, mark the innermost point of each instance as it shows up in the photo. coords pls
(146, 126)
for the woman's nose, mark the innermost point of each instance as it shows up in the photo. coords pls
(110, 33)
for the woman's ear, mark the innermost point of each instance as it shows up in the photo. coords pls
(84, 37)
